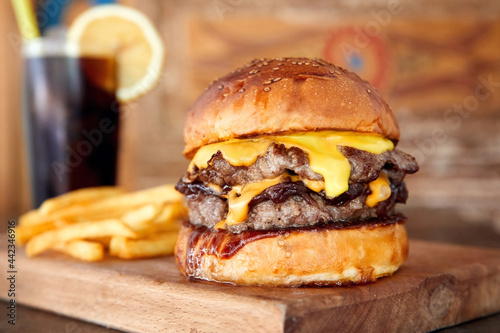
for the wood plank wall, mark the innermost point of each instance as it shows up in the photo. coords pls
(14, 191)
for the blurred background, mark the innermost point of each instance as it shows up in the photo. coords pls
(436, 62)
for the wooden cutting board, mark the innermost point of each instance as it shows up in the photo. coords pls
(440, 285)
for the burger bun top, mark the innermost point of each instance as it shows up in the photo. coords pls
(286, 95)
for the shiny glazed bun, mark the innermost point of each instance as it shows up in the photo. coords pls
(320, 256)
(271, 96)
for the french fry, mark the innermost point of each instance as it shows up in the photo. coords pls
(171, 212)
(81, 230)
(79, 213)
(119, 204)
(81, 249)
(30, 217)
(26, 232)
(82, 197)
(70, 214)
(87, 222)
(33, 217)
(163, 227)
(103, 240)
(141, 219)
(168, 218)
(159, 244)
(165, 220)
(116, 244)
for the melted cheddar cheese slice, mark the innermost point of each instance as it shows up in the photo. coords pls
(381, 190)
(240, 196)
(321, 147)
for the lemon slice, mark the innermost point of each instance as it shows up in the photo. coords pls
(128, 36)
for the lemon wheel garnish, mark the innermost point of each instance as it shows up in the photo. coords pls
(127, 35)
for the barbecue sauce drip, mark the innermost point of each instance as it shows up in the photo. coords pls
(281, 192)
(225, 244)
(219, 242)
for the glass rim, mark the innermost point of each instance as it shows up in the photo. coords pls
(49, 46)
(59, 46)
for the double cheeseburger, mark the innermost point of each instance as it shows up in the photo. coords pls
(293, 178)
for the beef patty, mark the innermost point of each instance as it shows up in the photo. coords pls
(292, 204)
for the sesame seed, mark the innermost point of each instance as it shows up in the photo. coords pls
(337, 72)
(315, 65)
(275, 68)
(307, 63)
(221, 87)
(294, 63)
(300, 63)
(259, 65)
(331, 71)
(276, 79)
(280, 64)
(253, 71)
(369, 91)
(268, 81)
(266, 89)
(265, 63)
(241, 90)
(225, 94)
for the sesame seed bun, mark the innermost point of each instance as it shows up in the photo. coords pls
(271, 96)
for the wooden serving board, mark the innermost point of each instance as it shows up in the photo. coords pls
(440, 285)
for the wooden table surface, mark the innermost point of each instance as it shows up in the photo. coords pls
(435, 225)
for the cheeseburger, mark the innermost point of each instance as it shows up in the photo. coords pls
(293, 179)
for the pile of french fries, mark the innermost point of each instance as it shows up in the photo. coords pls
(87, 222)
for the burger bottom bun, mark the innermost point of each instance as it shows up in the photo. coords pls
(320, 256)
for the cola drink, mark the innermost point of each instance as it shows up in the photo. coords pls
(71, 118)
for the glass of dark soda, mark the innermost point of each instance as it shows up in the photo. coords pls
(71, 118)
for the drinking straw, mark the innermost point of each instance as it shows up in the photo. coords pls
(26, 20)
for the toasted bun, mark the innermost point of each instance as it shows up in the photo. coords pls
(271, 96)
(318, 256)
